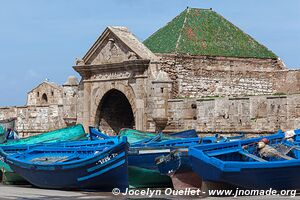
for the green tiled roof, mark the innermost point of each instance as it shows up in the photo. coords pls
(205, 32)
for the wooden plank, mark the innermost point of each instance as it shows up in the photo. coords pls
(254, 157)
(222, 151)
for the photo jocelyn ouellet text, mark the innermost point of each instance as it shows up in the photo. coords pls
(149, 192)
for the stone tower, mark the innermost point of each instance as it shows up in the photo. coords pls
(160, 93)
(70, 97)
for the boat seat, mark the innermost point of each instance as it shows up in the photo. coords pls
(254, 157)
(222, 151)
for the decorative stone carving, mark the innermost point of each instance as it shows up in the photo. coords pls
(112, 52)
(132, 56)
(111, 75)
(79, 62)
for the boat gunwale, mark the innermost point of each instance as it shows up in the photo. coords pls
(22, 164)
(235, 166)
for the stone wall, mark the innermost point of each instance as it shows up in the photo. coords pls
(249, 114)
(200, 76)
(34, 119)
(287, 81)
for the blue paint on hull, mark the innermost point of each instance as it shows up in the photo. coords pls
(236, 163)
(280, 178)
(78, 175)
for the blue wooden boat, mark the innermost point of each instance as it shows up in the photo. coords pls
(101, 167)
(60, 135)
(185, 134)
(10, 177)
(241, 163)
(95, 133)
(176, 164)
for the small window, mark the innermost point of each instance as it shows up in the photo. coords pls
(162, 90)
(38, 94)
(52, 93)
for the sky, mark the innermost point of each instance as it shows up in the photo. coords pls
(40, 39)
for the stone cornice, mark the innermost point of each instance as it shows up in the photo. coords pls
(140, 64)
(186, 56)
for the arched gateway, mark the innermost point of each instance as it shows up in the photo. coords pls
(113, 88)
(114, 112)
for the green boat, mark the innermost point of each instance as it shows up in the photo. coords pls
(12, 178)
(146, 178)
(71, 133)
(135, 136)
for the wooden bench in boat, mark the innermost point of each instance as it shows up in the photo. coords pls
(254, 157)
(222, 151)
(240, 151)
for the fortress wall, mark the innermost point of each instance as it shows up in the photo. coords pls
(287, 81)
(34, 119)
(252, 114)
(202, 76)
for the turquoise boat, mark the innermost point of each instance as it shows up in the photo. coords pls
(60, 135)
(135, 136)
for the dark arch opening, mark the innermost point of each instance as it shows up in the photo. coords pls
(44, 99)
(114, 112)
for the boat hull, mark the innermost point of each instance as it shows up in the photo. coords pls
(278, 176)
(68, 179)
(188, 179)
(109, 174)
(12, 178)
(144, 173)
(146, 178)
(178, 168)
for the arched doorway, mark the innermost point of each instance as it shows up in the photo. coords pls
(114, 113)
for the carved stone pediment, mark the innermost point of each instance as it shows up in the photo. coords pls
(115, 45)
(112, 50)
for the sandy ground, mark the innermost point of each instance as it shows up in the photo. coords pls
(28, 192)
